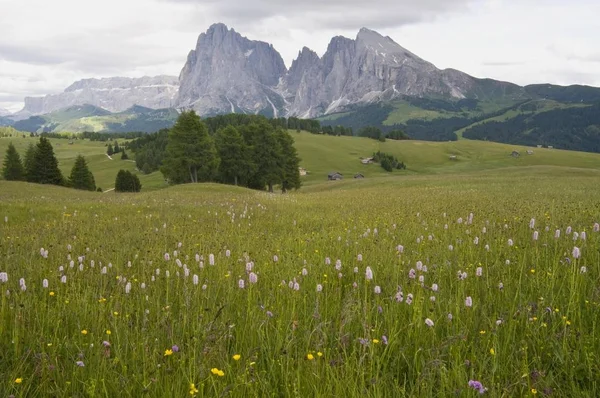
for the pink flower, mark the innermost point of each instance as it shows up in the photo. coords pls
(252, 278)
(429, 322)
(576, 252)
(241, 284)
(469, 301)
(369, 274)
(377, 289)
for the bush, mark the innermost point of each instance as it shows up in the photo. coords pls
(127, 182)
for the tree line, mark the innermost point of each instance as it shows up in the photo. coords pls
(250, 152)
(40, 166)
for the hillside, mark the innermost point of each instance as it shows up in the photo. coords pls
(321, 154)
(87, 117)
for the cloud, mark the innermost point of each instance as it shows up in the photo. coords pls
(331, 14)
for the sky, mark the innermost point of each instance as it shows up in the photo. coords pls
(47, 45)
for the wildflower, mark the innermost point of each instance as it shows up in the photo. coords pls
(327, 261)
(227, 253)
(168, 352)
(412, 274)
(241, 283)
(319, 354)
(167, 256)
(533, 391)
(450, 247)
(469, 301)
(319, 287)
(479, 271)
(63, 279)
(369, 274)
(275, 258)
(409, 299)
(568, 231)
(476, 385)
(492, 351)
(557, 234)
(400, 249)
(532, 223)
(211, 259)
(377, 290)
(450, 317)
(399, 296)
(195, 279)
(193, 389)
(84, 332)
(128, 288)
(175, 348)
(237, 357)
(596, 227)
(429, 322)
(434, 287)
(304, 272)
(252, 278)
(510, 242)
(217, 372)
(536, 234)
(45, 283)
(108, 332)
(296, 286)
(80, 364)
(576, 252)
(375, 341)
(359, 257)
(583, 269)
(356, 270)
(583, 235)
(106, 344)
(204, 287)
(419, 265)
(310, 357)
(18, 380)
(51, 294)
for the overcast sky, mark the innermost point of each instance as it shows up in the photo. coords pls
(46, 45)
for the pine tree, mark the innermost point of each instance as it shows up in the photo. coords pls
(13, 168)
(81, 177)
(45, 166)
(124, 155)
(110, 151)
(29, 162)
(117, 149)
(290, 162)
(191, 155)
(127, 182)
(235, 157)
(266, 154)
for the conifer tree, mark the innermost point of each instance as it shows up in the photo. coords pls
(110, 151)
(45, 166)
(127, 182)
(81, 177)
(116, 149)
(124, 155)
(235, 157)
(29, 162)
(191, 155)
(290, 162)
(13, 168)
(266, 154)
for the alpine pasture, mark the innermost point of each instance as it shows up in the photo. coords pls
(462, 277)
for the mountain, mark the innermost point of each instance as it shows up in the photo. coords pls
(4, 112)
(230, 73)
(115, 94)
(88, 117)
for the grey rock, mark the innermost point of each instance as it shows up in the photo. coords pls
(114, 94)
(230, 73)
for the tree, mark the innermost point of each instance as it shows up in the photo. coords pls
(266, 155)
(110, 151)
(29, 162)
(124, 155)
(117, 148)
(127, 182)
(45, 166)
(236, 162)
(191, 155)
(81, 177)
(13, 168)
(290, 162)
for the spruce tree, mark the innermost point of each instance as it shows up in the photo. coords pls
(13, 168)
(117, 149)
(266, 154)
(290, 162)
(191, 155)
(29, 162)
(45, 166)
(81, 177)
(234, 154)
(124, 155)
(127, 182)
(110, 151)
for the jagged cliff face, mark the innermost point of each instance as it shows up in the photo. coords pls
(114, 94)
(229, 73)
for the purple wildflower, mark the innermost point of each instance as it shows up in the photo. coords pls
(175, 348)
(477, 386)
(80, 364)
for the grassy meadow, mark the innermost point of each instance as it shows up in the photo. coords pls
(452, 278)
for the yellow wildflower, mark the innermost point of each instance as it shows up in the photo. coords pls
(84, 332)
(375, 341)
(108, 332)
(310, 357)
(237, 357)
(18, 380)
(193, 389)
(168, 352)
(492, 351)
(319, 354)
(52, 294)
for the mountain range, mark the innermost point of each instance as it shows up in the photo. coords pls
(368, 80)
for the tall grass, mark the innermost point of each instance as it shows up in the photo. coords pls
(142, 311)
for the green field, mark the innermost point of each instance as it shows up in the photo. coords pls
(129, 321)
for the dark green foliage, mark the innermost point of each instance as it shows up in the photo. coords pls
(266, 155)
(359, 117)
(150, 151)
(236, 157)
(371, 132)
(116, 149)
(12, 169)
(190, 151)
(388, 162)
(31, 125)
(290, 178)
(44, 168)
(575, 94)
(124, 155)
(98, 189)
(397, 135)
(81, 177)
(110, 150)
(29, 161)
(575, 128)
(110, 136)
(127, 182)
